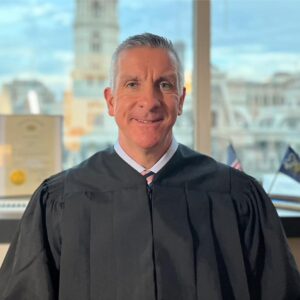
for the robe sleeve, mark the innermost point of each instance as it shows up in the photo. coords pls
(271, 269)
(30, 270)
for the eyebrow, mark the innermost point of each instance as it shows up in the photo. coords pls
(129, 78)
(170, 77)
(166, 77)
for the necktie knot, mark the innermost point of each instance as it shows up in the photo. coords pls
(148, 175)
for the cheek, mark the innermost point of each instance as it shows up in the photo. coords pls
(126, 104)
(122, 108)
(173, 105)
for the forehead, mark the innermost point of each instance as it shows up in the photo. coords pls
(146, 59)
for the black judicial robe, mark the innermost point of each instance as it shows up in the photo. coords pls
(210, 232)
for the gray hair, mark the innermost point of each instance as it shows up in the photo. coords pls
(145, 40)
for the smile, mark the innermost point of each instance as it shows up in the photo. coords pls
(147, 121)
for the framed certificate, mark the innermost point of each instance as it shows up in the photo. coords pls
(30, 151)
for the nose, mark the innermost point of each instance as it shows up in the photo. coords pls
(150, 98)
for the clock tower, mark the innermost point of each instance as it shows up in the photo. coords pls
(96, 37)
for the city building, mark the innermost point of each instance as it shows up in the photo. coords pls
(28, 97)
(87, 126)
(259, 118)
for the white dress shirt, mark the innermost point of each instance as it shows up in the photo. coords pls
(158, 165)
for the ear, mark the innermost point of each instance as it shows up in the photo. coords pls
(181, 101)
(108, 94)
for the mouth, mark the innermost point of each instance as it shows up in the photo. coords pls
(147, 122)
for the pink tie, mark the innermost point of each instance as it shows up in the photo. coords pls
(149, 175)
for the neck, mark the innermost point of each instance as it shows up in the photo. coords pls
(146, 157)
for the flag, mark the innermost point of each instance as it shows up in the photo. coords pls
(290, 164)
(232, 159)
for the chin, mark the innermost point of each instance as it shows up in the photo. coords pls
(148, 144)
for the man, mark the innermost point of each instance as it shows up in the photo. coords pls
(149, 219)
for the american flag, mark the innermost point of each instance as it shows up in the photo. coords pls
(232, 159)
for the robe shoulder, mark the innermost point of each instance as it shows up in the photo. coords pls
(202, 172)
(104, 171)
(31, 267)
(198, 172)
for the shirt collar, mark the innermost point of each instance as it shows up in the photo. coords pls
(158, 165)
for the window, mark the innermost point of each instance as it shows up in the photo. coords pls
(255, 44)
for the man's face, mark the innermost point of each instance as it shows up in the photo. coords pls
(146, 99)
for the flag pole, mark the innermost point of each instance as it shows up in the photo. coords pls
(272, 183)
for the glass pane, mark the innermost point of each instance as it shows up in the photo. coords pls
(55, 57)
(255, 55)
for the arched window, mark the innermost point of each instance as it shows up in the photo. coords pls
(96, 8)
(95, 42)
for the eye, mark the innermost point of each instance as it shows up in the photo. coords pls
(165, 85)
(132, 84)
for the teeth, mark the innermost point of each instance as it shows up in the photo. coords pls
(145, 121)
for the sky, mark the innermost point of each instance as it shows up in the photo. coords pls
(250, 39)
(36, 40)
(254, 39)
